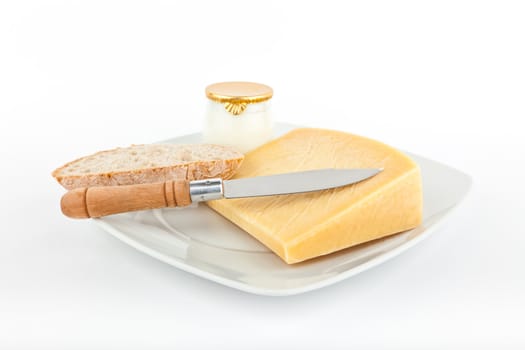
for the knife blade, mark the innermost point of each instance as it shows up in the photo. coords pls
(272, 185)
(108, 200)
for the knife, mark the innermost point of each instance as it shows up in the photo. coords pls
(93, 202)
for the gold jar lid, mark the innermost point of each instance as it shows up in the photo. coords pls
(236, 95)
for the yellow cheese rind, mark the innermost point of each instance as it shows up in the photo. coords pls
(303, 226)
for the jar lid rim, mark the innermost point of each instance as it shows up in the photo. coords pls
(239, 91)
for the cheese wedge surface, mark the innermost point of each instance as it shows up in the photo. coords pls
(303, 226)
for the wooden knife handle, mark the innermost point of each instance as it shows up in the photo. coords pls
(94, 202)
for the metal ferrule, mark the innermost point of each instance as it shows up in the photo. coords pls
(206, 190)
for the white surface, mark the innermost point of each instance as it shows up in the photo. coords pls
(246, 133)
(202, 242)
(442, 79)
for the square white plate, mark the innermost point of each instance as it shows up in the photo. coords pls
(200, 241)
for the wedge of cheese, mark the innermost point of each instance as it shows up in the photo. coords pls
(304, 226)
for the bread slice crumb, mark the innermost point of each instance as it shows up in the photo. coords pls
(150, 163)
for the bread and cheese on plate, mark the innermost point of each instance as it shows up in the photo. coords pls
(297, 227)
(303, 226)
(150, 163)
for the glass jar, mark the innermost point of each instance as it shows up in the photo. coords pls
(238, 114)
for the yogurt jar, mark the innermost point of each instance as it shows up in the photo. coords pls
(238, 114)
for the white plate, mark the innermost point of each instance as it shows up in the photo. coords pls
(202, 242)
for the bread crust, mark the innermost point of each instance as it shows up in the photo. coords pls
(196, 170)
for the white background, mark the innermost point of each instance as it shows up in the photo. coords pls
(443, 79)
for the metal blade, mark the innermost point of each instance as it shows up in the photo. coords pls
(298, 182)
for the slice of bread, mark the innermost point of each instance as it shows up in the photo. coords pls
(148, 164)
